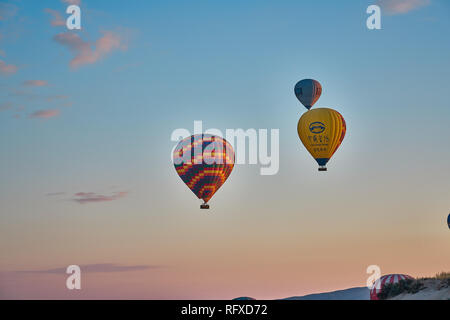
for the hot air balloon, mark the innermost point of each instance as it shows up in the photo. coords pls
(448, 221)
(308, 91)
(381, 282)
(204, 163)
(321, 132)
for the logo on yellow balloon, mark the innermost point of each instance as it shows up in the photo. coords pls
(317, 127)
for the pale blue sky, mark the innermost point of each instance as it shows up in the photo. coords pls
(231, 64)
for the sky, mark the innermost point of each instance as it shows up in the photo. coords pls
(86, 118)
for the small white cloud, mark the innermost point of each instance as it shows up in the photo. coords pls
(7, 69)
(35, 83)
(86, 52)
(7, 10)
(75, 2)
(45, 114)
(57, 20)
(401, 6)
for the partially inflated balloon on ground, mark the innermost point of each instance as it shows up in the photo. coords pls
(386, 279)
(308, 91)
(321, 132)
(204, 163)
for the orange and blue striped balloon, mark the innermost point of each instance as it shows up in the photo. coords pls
(204, 162)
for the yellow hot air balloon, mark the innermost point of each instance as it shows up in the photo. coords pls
(321, 131)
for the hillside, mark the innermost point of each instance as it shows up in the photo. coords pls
(431, 289)
(359, 293)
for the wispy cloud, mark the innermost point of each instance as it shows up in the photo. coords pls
(75, 2)
(52, 194)
(56, 97)
(90, 197)
(7, 10)
(5, 106)
(45, 114)
(31, 96)
(401, 6)
(86, 52)
(35, 83)
(7, 69)
(98, 267)
(24, 94)
(57, 20)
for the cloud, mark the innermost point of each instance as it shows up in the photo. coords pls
(75, 2)
(401, 6)
(45, 114)
(9, 105)
(57, 20)
(31, 96)
(56, 97)
(51, 194)
(35, 83)
(90, 197)
(86, 52)
(67, 104)
(99, 267)
(5, 106)
(7, 69)
(7, 10)
(25, 95)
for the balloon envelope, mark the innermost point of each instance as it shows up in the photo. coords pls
(204, 163)
(308, 91)
(321, 132)
(382, 281)
(448, 221)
